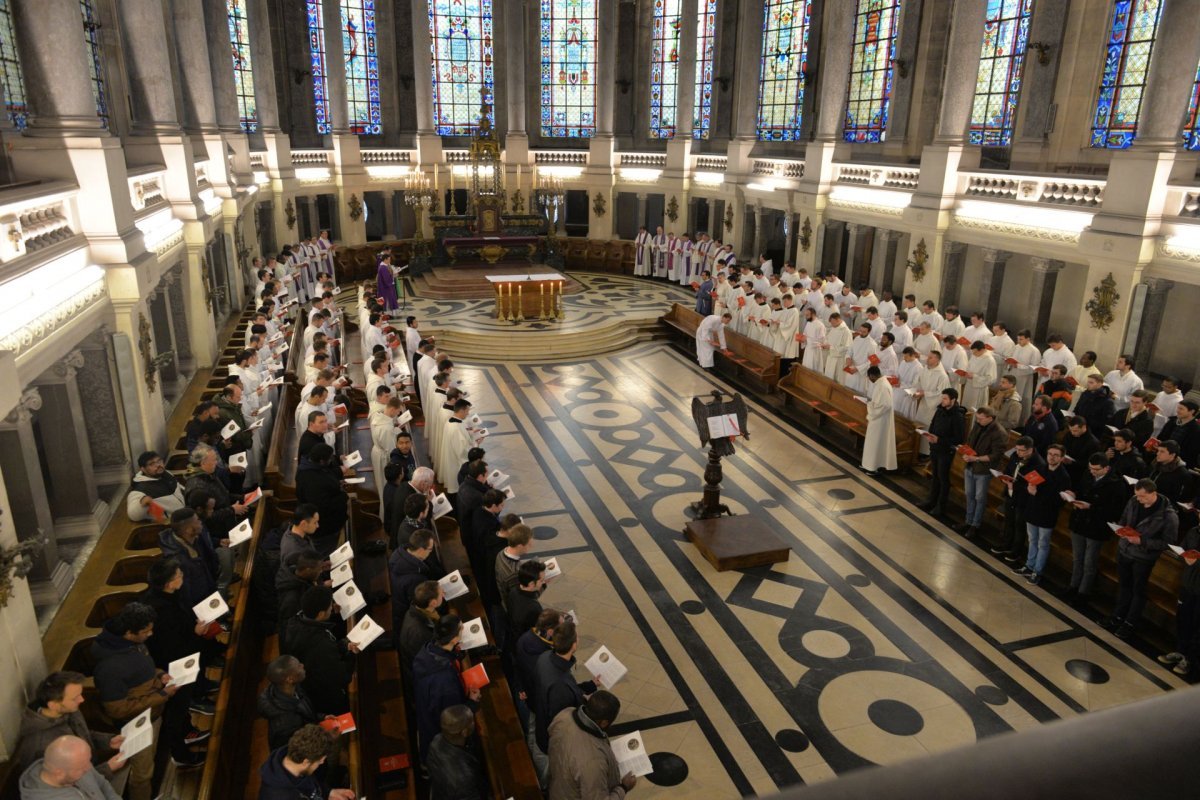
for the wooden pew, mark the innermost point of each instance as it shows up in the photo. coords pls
(836, 404)
(751, 361)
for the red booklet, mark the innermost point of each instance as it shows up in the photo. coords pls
(1153, 408)
(1012, 362)
(894, 380)
(964, 341)
(966, 450)
(800, 337)
(694, 285)
(475, 678)
(741, 302)
(1152, 443)
(873, 360)
(988, 347)
(1191, 555)
(340, 725)
(393, 763)
(1073, 383)
(1126, 532)
(252, 497)
(1034, 478)
(962, 373)
(849, 370)
(156, 512)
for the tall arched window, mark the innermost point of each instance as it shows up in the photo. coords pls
(1191, 127)
(362, 66)
(11, 78)
(243, 73)
(1130, 42)
(998, 82)
(664, 68)
(781, 71)
(91, 37)
(320, 77)
(463, 76)
(568, 67)
(869, 96)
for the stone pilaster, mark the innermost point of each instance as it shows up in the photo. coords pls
(858, 254)
(152, 93)
(991, 282)
(833, 234)
(110, 461)
(1154, 306)
(892, 240)
(195, 69)
(55, 62)
(954, 257)
(1169, 81)
(266, 97)
(1041, 292)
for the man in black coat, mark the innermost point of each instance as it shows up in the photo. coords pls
(1184, 428)
(484, 524)
(408, 567)
(524, 606)
(1100, 497)
(419, 625)
(291, 582)
(1170, 475)
(1137, 418)
(187, 542)
(1042, 426)
(1124, 458)
(436, 681)
(556, 686)
(456, 767)
(284, 704)
(1025, 459)
(319, 482)
(1095, 404)
(328, 661)
(1079, 444)
(947, 430)
(470, 495)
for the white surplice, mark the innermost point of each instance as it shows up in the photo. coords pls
(879, 447)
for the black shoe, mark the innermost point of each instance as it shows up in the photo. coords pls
(1022, 570)
(203, 708)
(190, 761)
(1012, 558)
(1124, 631)
(999, 551)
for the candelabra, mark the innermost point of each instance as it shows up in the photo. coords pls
(419, 196)
(552, 200)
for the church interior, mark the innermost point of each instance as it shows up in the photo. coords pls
(591, 398)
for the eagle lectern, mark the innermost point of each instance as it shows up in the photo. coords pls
(727, 541)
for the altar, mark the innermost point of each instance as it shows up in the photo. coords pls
(521, 297)
(490, 249)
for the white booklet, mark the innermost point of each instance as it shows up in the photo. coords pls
(605, 667)
(509, 493)
(630, 751)
(404, 418)
(138, 733)
(240, 533)
(441, 506)
(553, 570)
(184, 670)
(453, 585)
(343, 553)
(474, 421)
(211, 608)
(350, 459)
(239, 460)
(342, 573)
(230, 430)
(263, 409)
(497, 478)
(473, 634)
(354, 481)
(349, 599)
(364, 632)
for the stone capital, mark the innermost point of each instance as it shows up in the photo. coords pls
(953, 248)
(31, 401)
(68, 365)
(1043, 264)
(1158, 285)
(995, 256)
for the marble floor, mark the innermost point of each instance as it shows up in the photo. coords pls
(883, 638)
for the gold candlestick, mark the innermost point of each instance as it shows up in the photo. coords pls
(542, 300)
(499, 300)
(561, 315)
(520, 316)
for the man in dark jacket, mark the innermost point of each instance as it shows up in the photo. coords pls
(292, 772)
(54, 712)
(1170, 474)
(524, 607)
(328, 661)
(419, 625)
(1099, 499)
(319, 482)
(987, 441)
(1041, 511)
(1137, 418)
(306, 521)
(1186, 657)
(283, 704)
(415, 517)
(456, 770)
(470, 496)
(1078, 446)
(1124, 458)
(1095, 404)
(947, 430)
(556, 686)
(229, 409)
(1025, 459)
(529, 648)
(1152, 516)
(188, 543)
(291, 582)
(409, 566)
(485, 522)
(436, 682)
(1042, 426)
(1185, 429)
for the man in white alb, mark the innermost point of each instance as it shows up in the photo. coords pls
(658, 249)
(641, 253)
(1123, 381)
(837, 343)
(879, 446)
(813, 337)
(710, 337)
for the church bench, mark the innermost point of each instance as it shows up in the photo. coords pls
(108, 606)
(750, 360)
(836, 404)
(510, 767)
(144, 537)
(131, 570)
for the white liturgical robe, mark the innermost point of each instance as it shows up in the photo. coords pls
(641, 257)
(456, 443)
(383, 439)
(861, 349)
(814, 337)
(710, 330)
(983, 372)
(789, 326)
(879, 447)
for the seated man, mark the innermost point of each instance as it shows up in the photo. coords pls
(155, 492)
(65, 773)
(54, 712)
(290, 773)
(283, 704)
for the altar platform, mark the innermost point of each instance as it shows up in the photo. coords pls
(469, 282)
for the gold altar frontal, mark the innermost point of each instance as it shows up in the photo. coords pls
(522, 297)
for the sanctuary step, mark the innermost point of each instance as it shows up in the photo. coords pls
(554, 341)
(470, 282)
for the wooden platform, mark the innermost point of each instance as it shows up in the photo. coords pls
(461, 282)
(736, 542)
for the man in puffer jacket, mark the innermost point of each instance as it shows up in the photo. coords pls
(1156, 525)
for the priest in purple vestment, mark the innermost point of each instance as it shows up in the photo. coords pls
(386, 284)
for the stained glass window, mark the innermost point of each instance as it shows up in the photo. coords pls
(1130, 40)
(1191, 128)
(461, 41)
(91, 37)
(869, 96)
(320, 77)
(706, 35)
(362, 66)
(11, 79)
(568, 50)
(243, 74)
(781, 71)
(664, 68)
(998, 82)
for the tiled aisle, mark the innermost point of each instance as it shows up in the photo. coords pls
(883, 638)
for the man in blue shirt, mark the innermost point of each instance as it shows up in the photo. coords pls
(704, 300)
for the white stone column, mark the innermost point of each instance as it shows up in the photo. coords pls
(1169, 80)
(745, 95)
(516, 139)
(55, 64)
(827, 131)
(429, 144)
(229, 120)
(147, 52)
(600, 151)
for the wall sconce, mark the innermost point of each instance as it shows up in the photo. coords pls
(1043, 50)
(623, 85)
(901, 67)
(724, 81)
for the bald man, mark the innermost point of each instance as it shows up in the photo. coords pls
(65, 771)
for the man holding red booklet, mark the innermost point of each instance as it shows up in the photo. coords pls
(1147, 526)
